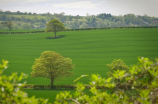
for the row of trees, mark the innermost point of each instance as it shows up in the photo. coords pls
(4, 17)
(11, 25)
(38, 21)
(17, 13)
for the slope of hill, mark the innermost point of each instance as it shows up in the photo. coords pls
(90, 50)
(37, 21)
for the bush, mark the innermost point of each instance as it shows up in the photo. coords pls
(115, 65)
(137, 85)
(10, 92)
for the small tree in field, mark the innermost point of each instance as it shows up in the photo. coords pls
(8, 24)
(54, 26)
(53, 66)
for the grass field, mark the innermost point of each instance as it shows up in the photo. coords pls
(46, 94)
(89, 50)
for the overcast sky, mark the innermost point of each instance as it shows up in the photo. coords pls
(81, 7)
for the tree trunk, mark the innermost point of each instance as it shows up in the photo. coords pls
(10, 28)
(55, 34)
(52, 82)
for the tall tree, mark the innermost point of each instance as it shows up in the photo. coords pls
(53, 66)
(54, 26)
(8, 24)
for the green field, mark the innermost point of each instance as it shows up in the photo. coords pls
(46, 94)
(89, 50)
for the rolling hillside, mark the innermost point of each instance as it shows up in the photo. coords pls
(90, 51)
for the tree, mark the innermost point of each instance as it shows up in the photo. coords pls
(53, 66)
(2, 26)
(10, 89)
(138, 85)
(8, 24)
(26, 26)
(54, 26)
(84, 25)
(115, 65)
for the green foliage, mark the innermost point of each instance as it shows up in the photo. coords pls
(38, 21)
(26, 26)
(115, 65)
(136, 85)
(8, 24)
(10, 92)
(54, 26)
(84, 25)
(53, 66)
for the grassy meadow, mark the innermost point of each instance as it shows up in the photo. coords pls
(89, 50)
(46, 94)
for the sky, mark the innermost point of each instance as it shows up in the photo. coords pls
(82, 7)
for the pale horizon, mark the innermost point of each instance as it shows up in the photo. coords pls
(82, 7)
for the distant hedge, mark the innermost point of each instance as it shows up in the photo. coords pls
(82, 29)
(32, 86)
(111, 28)
(22, 32)
(48, 86)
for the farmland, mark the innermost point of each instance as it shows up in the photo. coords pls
(89, 50)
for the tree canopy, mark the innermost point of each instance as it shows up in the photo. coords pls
(84, 25)
(53, 66)
(54, 26)
(115, 65)
(8, 24)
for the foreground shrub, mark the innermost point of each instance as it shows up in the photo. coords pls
(10, 92)
(137, 85)
(115, 65)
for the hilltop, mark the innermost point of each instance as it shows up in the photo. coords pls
(28, 20)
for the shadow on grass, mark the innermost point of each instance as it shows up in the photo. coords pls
(57, 37)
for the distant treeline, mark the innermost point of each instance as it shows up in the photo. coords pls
(22, 13)
(28, 20)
